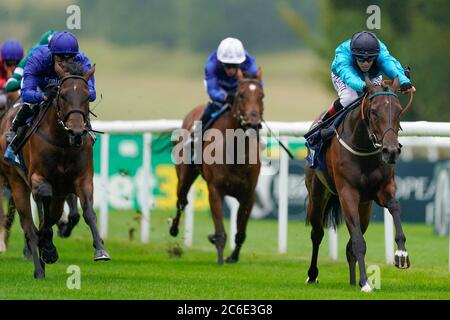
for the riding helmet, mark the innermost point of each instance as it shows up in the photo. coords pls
(365, 44)
(12, 50)
(231, 51)
(63, 43)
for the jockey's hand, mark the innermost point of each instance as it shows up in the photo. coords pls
(229, 99)
(405, 87)
(51, 92)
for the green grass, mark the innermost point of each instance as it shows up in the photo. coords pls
(147, 271)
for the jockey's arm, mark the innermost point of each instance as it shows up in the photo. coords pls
(91, 82)
(215, 92)
(31, 79)
(390, 66)
(342, 66)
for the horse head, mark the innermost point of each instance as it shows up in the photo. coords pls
(381, 111)
(72, 101)
(248, 104)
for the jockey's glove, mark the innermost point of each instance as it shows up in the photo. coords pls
(405, 86)
(229, 99)
(51, 92)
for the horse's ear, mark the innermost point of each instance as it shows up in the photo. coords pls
(395, 84)
(59, 71)
(369, 84)
(90, 73)
(259, 74)
(239, 75)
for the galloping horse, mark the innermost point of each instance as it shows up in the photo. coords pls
(236, 180)
(360, 169)
(58, 158)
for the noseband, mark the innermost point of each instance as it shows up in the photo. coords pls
(377, 143)
(62, 120)
(240, 115)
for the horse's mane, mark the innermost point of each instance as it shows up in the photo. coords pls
(74, 68)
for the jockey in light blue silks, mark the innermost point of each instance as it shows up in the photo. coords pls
(220, 75)
(40, 81)
(363, 54)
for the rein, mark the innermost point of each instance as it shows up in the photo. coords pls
(377, 144)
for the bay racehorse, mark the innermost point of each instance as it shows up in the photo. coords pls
(360, 169)
(59, 161)
(236, 178)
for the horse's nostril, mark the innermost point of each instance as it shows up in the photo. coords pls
(385, 150)
(254, 113)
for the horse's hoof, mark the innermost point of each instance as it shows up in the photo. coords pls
(220, 262)
(173, 231)
(101, 255)
(49, 255)
(39, 274)
(401, 259)
(63, 230)
(2, 246)
(212, 238)
(27, 255)
(366, 288)
(230, 259)
(310, 281)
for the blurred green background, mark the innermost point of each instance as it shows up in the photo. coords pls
(150, 55)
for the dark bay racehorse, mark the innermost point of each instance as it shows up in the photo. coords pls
(59, 161)
(360, 169)
(234, 179)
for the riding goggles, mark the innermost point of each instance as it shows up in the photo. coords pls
(11, 63)
(230, 65)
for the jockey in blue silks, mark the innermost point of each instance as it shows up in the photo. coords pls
(220, 75)
(363, 54)
(40, 81)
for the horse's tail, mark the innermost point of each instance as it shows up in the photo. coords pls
(332, 216)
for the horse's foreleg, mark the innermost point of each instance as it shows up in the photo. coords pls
(65, 229)
(219, 238)
(186, 178)
(351, 259)
(349, 199)
(84, 189)
(42, 191)
(245, 208)
(3, 232)
(401, 259)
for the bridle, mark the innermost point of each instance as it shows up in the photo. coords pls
(62, 119)
(377, 143)
(238, 99)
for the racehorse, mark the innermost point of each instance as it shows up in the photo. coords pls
(360, 169)
(236, 180)
(58, 160)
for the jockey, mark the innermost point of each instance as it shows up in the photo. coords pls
(14, 82)
(40, 81)
(363, 54)
(220, 75)
(11, 53)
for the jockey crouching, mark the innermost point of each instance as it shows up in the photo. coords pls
(40, 81)
(363, 54)
(221, 82)
(11, 53)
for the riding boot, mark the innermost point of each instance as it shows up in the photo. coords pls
(200, 126)
(328, 132)
(19, 121)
